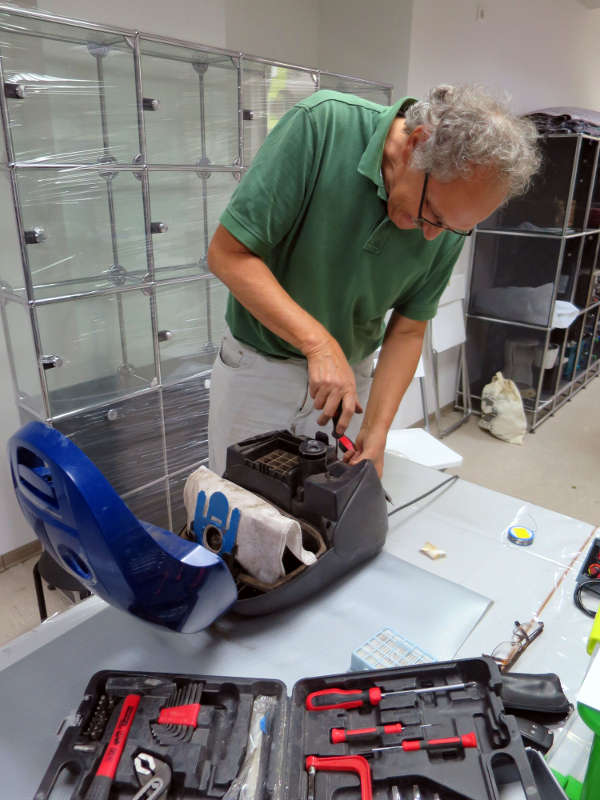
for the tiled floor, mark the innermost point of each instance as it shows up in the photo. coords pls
(18, 602)
(556, 467)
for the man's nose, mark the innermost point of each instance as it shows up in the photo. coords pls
(430, 232)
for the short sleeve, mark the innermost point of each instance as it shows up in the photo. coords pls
(423, 301)
(270, 198)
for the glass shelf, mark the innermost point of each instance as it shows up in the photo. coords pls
(516, 352)
(545, 208)
(23, 357)
(92, 229)
(123, 439)
(78, 86)
(190, 204)
(191, 322)
(105, 349)
(340, 83)
(186, 423)
(195, 92)
(11, 266)
(268, 91)
(513, 277)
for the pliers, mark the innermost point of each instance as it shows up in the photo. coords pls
(154, 777)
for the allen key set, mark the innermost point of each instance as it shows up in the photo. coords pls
(438, 731)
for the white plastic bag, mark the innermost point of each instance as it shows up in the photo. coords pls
(564, 314)
(502, 412)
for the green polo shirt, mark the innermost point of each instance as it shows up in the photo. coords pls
(312, 206)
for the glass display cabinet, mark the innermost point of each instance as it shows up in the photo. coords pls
(121, 150)
(536, 251)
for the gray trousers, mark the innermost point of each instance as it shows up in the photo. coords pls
(251, 393)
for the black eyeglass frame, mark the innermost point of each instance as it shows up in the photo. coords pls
(421, 220)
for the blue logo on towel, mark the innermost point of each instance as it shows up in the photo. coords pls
(216, 516)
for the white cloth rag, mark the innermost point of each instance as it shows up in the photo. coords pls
(263, 532)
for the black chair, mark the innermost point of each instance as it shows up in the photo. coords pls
(57, 578)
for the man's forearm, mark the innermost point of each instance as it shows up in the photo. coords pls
(396, 366)
(330, 377)
(253, 284)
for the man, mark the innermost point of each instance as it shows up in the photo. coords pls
(348, 210)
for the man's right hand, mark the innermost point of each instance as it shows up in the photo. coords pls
(331, 382)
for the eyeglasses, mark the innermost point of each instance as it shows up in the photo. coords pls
(421, 220)
(506, 653)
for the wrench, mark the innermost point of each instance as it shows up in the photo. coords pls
(153, 775)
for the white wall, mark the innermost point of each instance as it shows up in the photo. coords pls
(543, 52)
(14, 531)
(200, 21)
(283, 30)
(367, 40)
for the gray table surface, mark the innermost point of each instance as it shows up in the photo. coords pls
(43, 673)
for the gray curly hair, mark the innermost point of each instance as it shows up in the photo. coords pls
(469, 128)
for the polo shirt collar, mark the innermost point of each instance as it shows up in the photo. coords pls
(370, 163)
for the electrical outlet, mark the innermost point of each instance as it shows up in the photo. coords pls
(479, 13)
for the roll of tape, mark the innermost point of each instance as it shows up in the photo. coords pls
(518, 534)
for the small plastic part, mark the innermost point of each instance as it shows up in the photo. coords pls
(519, 534)
(432, 552)
(180, 715)
(35, 236)
(534, 734)
(14, 91)
(388, 648)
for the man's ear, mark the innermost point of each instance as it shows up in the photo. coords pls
(418, 136)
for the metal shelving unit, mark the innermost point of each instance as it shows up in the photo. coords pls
(121, 151)
(537, 250)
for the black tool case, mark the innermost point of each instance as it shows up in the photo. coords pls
(210, 758)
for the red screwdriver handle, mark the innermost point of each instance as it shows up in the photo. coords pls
(342, 698)
(363, 734)
(468, 740)
(357, 764)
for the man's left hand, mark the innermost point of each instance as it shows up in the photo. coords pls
(369, 444)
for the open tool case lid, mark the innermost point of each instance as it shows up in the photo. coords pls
(243, 720)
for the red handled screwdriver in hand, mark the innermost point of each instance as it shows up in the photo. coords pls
(345, 442)
(356, 698)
